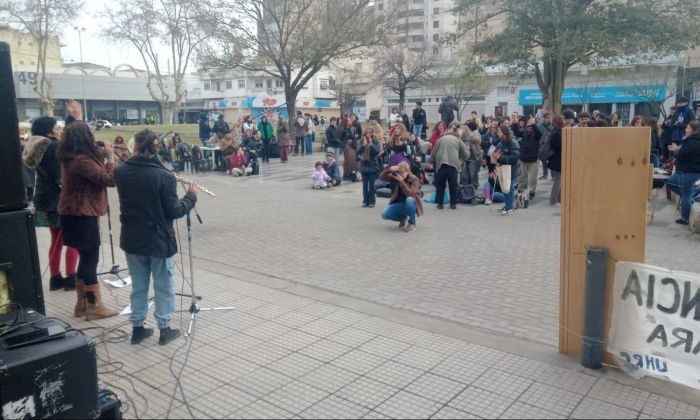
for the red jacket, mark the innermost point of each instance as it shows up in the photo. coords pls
(84, 187)
(237, 161)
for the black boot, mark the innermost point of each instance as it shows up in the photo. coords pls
(140, 333)
(167, 335)
(56, 282)
(69, 282)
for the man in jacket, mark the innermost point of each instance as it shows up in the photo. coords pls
(405, 203)
(149, 204)
(419, 119)
(447, 155)
(204, 129)
(546, 129)
(221, 126)
(667, 133)
(684, 114)
(447, 110)
(300, 127)
(333, 137)
(470, 172)
(529, 149)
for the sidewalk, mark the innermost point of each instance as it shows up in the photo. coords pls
(281, 354)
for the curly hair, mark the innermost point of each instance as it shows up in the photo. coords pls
(78, 139)
(147, 143)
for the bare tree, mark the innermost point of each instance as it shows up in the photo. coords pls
(400, 69)
(348, 85)
(461, 83)
(292, 40)
(42, 19)
(152, 26)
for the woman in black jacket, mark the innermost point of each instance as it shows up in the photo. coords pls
(508, 153)
(529, 167)
(40, 154)
(368, 154)
(554, 161)
(333, 135)
(687, 168)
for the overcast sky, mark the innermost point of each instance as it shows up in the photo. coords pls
(95, 49)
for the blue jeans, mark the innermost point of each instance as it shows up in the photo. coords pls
(368, 193)
(398, 211)
(682, 184)
(309, 144)
(163, 270)
(417, 129)
(510, 195)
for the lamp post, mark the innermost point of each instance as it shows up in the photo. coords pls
(82, 71)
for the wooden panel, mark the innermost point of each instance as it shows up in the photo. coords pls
(605, 187)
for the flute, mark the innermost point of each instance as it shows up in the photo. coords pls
(186, 182)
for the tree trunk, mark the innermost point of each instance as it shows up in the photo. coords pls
(168, 113)
(46, 107)
(552, 84)
(402, 98)
(291, 97)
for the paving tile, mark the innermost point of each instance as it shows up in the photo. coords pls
(521, 366)
(436, 388)
(319, 309)
(352, 337)
(420, 357)
(346, 317)
(267, 330)
(395, 374)
(367, 392)
(449, 413)
(577, 382)
(524, 411)
(329, 378)
(264, 354)
(553, 399)
(334, 407)
(296, 396)
(459, 370)
(222, 401)
(502, 383)
(481, 403)
(261, 382)
(384, 347)
(260, 409)
(322, 328)
(295, 340)
(374, 415)
(590, 408)
(295, 319)
(404, 405)
(358, 362)
(615, 393)
(662, 407)
(480, 354)
(295, 365)
(237, 343)
(325, 350)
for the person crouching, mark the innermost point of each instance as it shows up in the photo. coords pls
(149, 203)
(237, 163)
(319, 177)
(405, 203)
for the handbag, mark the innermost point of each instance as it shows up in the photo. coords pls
(504, 174)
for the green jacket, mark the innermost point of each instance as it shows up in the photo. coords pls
(266, 130)
(449, 150)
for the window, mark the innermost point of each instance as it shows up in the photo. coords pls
(436, 37)
(218, 86)
(358, 67)
(229, 84)
(324, 84)
(503, 91)
(430, 99)
(436, 10)
(268, 82)
(380, 6)
(241, 84)
(436, 24)
(258, 83)
(417, 38)
(278, 83)
(436, 50)
(207, 86)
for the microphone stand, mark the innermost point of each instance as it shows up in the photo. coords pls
(115, 270)
(194, 307)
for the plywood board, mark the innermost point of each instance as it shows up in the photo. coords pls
(605, 187)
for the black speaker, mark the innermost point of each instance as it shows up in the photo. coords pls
(13, 194)
(50, 379)
(19, 259)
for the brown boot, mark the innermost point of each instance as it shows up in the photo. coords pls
(94, 308)
(79, 310)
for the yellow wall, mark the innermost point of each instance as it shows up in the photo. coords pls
(24, 50)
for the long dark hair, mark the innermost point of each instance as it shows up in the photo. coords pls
(78, 140)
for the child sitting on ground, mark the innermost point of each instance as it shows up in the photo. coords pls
(331, 168)
(320, 177)
(237, 163)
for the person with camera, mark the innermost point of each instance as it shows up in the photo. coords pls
(147, 234)
(369, 151)
(405, 203)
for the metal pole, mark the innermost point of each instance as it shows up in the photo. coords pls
(82, 73)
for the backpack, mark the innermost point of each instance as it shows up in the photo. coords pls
(466, 193)
(185, 151)
(546, 151)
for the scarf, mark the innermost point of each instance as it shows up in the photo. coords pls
(34, 151)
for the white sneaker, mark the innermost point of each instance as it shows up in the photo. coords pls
(487, 202)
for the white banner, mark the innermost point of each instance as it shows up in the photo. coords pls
(656, 323)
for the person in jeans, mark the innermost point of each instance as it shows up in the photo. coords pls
(470, 172)
(508, 153)
(447, 155)
(300, 126)
(369, 151)
(554, 161)
(405, 203)
(149, 203)
(529, 150)
(333, 134)
(546, 129)
(687, 168)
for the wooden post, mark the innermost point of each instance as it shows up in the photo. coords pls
(605, 189)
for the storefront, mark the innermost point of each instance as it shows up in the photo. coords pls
(625, 100)
(272, 106)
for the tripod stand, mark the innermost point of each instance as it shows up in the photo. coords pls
(115, 270)
(194, 307)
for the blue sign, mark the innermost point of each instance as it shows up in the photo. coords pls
(599, 95)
